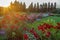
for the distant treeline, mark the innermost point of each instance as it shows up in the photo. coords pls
(21, 7)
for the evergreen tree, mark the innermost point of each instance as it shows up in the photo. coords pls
(41, 8)
(21, 6)
(24, 7)
(49, 5)
(45, 7)
(37, 7)
(1, 11)
(55, 5)
(31, 7)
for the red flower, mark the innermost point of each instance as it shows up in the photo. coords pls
(22, 18)
(3, 22)
(12, 27)
(17, 27)
(58, 24)
(58, 27)
(32, 30)
(25, 36)
(16, 21)
(17, 15)
(47, 26)
(5, 26)
(8, 17)
(41, 28)
(25, 28)
(48, 34)
(34, 33)
(55, 27)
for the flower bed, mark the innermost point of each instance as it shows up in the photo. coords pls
(19, 29)
(44, 32)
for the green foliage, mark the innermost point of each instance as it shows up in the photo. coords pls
(55, 33)
(50, 20)
(58, 35)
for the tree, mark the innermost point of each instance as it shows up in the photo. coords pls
(55, 5)
(37, 7)
(49, 7)
(24, 7)
(45, 7)
(31, 7)
(41, 8)
(1, 11)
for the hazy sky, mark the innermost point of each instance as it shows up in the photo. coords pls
(7, 2)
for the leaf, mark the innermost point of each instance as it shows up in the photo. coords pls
(58, 36)
(53, 31)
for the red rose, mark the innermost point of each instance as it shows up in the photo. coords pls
(55, 27)
(25, 29)
(35, 35)
(17, 27)
(41, 28)
(58, 24)
(3, 22)
(48, 34)
(58, 27)
(25, 36)
(32, 30)
(47, 26)
(12, 27)
(5, 26)
(16, 21)
(8, 17)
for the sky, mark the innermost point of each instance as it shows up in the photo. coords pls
(7, 2)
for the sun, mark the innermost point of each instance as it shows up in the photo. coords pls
(5, 5)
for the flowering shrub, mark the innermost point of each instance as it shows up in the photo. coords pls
(19, 27)
(45, 31)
